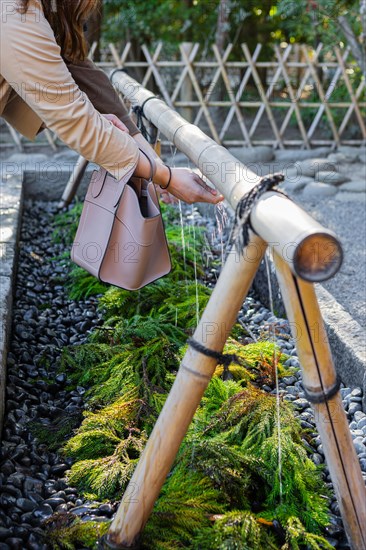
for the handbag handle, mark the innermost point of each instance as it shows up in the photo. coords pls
(102, 174)
(152, 164)
(125, 179)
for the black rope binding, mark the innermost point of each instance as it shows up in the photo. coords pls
(224, 359)
(323, 396)
(119, 70)
(140, 115)
(240, 231)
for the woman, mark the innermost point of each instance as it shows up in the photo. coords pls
(45, 80)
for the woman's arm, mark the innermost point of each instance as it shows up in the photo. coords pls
(97, 86)
(184, 185)
(31, 63)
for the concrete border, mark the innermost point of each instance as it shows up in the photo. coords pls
(11, 205)
(347, 341)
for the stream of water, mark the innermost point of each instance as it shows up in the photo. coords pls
(195, 267)
(275, 361)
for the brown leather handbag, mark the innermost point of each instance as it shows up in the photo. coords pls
(120, 237)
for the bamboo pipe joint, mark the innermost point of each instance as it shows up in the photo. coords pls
(318, 257)
(313, 252)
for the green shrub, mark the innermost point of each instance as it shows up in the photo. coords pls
(226, 489)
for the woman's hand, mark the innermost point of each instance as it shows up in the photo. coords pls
(165, 197)
(117, 122)
(184, 184)
(189, 187)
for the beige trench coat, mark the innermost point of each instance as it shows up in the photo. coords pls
(37, 87)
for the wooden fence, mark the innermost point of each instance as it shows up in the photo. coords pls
(303, 97)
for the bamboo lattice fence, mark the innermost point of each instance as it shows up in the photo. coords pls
(302, 97)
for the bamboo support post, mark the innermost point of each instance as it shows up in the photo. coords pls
(74, 182)
(16, 137)
(51, 139)
(319, 380)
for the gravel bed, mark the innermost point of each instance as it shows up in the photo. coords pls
(32, 479)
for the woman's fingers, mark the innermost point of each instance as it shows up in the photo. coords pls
(203, 184)
(189, 187)
(206, 191)
(207, 196)
(117, 122)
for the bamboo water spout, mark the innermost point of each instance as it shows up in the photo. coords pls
(313, 252)
(303, 250)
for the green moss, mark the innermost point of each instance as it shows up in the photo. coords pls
(223, 464)
(137, 329)
(249, 421)
(261, 359)
(101, 432)
(173, 302)
(65, 224)
(81, 284)
(146, 367)
(298, 537)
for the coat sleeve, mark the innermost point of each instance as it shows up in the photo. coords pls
(31, 62)
(97, 86)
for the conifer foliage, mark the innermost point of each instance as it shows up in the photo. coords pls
(226, 489)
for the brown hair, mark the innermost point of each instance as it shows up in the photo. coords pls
(67, 18)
